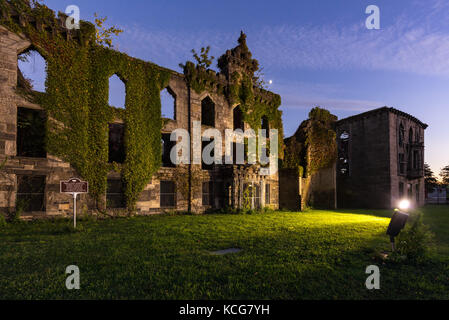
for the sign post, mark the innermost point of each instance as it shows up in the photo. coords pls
(74, 186)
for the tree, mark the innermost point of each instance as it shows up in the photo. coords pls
(104, 35)
(203, 59)
(430, 181)
(444, 173)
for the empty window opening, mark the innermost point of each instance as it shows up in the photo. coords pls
(117, 92)
(208, 193)
(208, 112)
(401, 189)
(401, 135)
(167, 146)
(409, 190)
(167, 194)
(31, 128)
(30, 193)
(417, 193)
(115, 197)
(402, 163)
(32, 72)
(116, 142)
(343, 153)
(204, 165)
(238, 118)
(265, 126)
(267, 193)
(410, 136)
(168, 104)
(239, 154)
(416, 160)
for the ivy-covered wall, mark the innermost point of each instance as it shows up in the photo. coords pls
(76, 99)
(238, 82)
(312, 150)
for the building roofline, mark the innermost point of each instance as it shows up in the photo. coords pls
(380, 110)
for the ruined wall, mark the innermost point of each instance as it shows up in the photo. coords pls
(412, 177)
(372, 179)
(51, 167)
(79, 121)
(367, 184)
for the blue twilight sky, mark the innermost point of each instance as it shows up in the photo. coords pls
(315, 52)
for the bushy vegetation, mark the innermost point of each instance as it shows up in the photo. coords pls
(415, 242)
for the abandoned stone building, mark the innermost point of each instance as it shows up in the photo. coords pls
(376, 161)
(70, 130)
(380, 159)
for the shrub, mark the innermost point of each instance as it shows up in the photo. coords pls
(14, 216)
(415, 242)
(2, 221)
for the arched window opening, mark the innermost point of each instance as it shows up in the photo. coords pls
(31, 71)
(238, 118)
(401, 135)
(168, 104)
(117, 92)
(208, 112)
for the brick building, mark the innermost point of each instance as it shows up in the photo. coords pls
(32, 175)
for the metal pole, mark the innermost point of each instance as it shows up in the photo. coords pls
(74, 210)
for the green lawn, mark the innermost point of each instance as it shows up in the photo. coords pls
(285, 255)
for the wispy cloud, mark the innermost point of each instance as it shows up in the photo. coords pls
(414, 43)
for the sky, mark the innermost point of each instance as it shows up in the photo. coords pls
(317, 53)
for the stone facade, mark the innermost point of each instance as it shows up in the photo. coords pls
(227, 180)
(380, 162)
(381, 159)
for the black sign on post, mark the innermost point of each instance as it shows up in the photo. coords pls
(74, 186)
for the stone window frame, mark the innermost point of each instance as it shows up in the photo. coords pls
(401, 134)
(242, 122)
(43, 194)
(170, 196)
(209, 194)
(267, 193)
(203, 118)
(120, 195)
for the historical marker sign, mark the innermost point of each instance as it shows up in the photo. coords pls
(74, 186)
